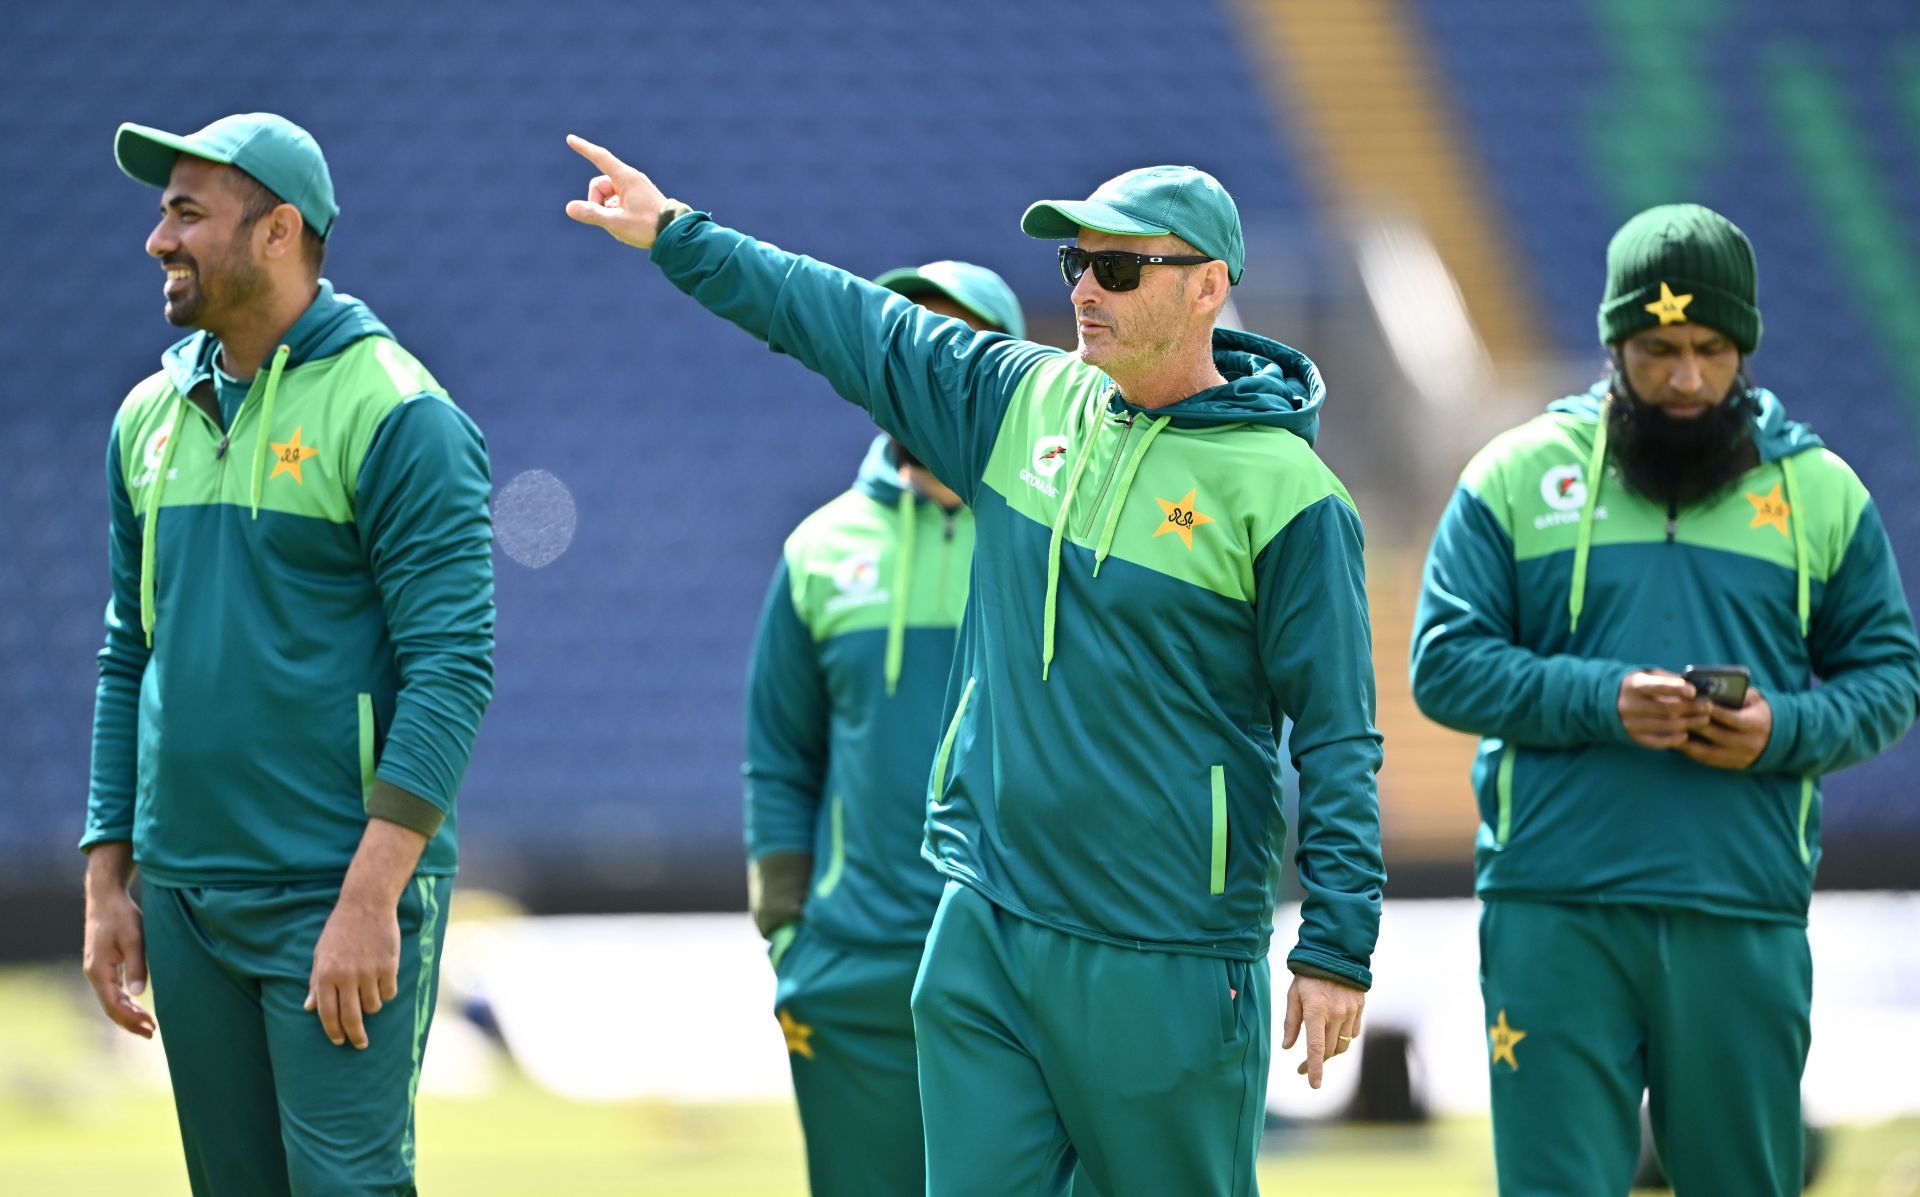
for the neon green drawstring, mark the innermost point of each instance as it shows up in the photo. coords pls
(1126, 483)
(902, 580)
(266, 422)
(150, 531)
(1803, 603)
(1092, 416)
(1583, 542)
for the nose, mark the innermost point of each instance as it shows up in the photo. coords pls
(161, 241)
(1687, 376)
(1087, 291)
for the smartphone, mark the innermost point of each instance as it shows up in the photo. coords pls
(1726, 685)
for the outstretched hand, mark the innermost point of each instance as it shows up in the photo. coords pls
(620, 199)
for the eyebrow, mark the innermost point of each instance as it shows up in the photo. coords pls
(180, 201)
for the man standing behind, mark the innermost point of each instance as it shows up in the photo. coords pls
(844, 699)
(1646, 854)
(298, 652)
(1163, 570)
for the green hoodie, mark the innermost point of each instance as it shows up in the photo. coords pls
(1153, 591)
(1543, 591)
(300, 630)
(844, 700)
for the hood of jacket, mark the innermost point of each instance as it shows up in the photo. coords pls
(331, 322)
(1267, 383)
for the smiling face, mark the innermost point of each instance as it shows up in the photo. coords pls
(1683, 369)
(1122, 331)
(206, 242)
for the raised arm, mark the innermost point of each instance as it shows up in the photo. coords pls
(930, 380)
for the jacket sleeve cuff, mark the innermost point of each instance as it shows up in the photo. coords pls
(1607, 676)
(1780, 738)
(395, 805)
(1306, 962)
(777, 889)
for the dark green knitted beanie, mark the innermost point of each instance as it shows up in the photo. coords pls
(1679, 264)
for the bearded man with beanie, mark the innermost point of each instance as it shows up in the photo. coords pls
(1646, 854)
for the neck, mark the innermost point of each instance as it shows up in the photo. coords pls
(258, 331)
(1163, 383)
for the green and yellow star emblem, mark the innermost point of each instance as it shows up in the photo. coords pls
(1671, 308)
(1770, 510)
(798, 1035)
(290, 455)
(1182, 519)
(1503, 1038)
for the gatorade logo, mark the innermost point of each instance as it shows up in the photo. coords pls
(1564, 488)
(1049, 458)
(157, 445)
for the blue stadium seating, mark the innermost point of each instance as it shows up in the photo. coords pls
(872, 133)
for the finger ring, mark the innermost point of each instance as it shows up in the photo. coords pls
(1348, 1038)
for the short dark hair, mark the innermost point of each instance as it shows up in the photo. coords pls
(259, 199)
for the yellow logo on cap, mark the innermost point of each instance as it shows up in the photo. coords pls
(1671, 308)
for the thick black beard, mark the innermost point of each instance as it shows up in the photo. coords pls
(1681, 462)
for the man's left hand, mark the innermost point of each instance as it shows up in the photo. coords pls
(1329, 1013)
(1735, 737)
(356, 967)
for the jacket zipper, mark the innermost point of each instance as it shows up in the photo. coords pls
(1113, 467)
(1673, 518)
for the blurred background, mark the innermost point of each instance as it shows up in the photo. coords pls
(1427, 188)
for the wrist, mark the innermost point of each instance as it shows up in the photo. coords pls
(670, 211)
(109, 869)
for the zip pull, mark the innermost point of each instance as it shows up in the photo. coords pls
(949, 531)
(1673, 519)
(221, 451)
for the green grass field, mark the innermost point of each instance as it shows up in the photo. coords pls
(80, 1116)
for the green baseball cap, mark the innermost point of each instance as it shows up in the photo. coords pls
(974, 288)
(280, 155)
(1152, 201)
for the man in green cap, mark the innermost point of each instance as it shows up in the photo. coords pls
(1162, 572)
(1648, 843)
(298, 652)
(844, 699)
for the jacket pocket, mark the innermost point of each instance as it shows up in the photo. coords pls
(1217, 858)
(946, 742)
(1503, 794)
(368, 754)
(836, 849)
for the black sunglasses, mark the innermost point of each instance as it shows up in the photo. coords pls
(1117, 270)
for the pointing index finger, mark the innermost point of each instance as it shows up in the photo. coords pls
(600, 156)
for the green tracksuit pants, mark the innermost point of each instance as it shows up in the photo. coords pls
(1039, 1049)
(849, 1036)
(1590, 1005)
(267, 1105)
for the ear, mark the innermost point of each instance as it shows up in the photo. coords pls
(281, 236)
(1211, 288)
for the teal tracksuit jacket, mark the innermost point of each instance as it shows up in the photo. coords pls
(1152, 593)
(844, 698)
(1549, 581)
(300, 631)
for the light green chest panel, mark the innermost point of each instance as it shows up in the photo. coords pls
(1535, 481)
(1196, 504)
(308, 454)
(844, 566)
